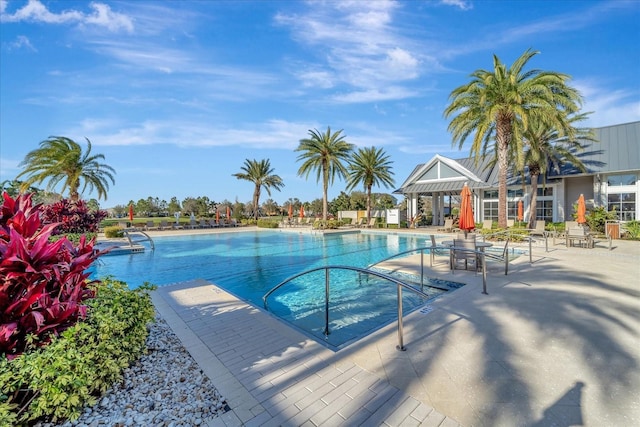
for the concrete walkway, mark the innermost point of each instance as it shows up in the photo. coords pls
(555, 343)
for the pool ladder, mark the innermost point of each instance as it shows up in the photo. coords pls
(135, 243)
(400, 286)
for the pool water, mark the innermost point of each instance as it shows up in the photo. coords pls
(248, 264)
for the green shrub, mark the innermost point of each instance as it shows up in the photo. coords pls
(55, 382)
(73, 237)
(633, 230)
(267, 223)
(598, 216)
(113, 232)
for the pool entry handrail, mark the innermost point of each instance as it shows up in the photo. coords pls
(400, 284)
(133, 241)
(431, 250)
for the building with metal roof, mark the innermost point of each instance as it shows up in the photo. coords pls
(611, 179)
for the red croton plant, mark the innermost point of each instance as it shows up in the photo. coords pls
(42, 284)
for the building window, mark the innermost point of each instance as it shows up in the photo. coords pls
(544, 210)
(620, 180)
(624, 204)
(545, 192)
(544, 204)
(490, 210)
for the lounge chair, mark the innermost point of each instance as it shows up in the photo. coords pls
(193, 224)
(487, 224)
(163, 225)
(372, 222)
(203, 223)
(150, 226)
(540, 229)
(447, 227)
(464, 250)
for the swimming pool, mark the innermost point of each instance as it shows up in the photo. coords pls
(247, 264)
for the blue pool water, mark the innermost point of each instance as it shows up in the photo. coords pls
(248, 264)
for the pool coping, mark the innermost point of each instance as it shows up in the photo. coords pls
(297, 356)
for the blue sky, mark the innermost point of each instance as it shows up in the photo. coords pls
(177, 94)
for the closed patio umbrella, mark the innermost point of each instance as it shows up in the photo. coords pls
(290, 211)
(466, 223)
(228, 212)
(131, 213)
(582, 210)
(520, 210)
(218, 216)
(301, 211)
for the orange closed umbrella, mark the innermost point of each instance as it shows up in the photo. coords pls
(218, 216)
(131, 213)
(301, 211)
(582, 210)
(467, 222)
(290, 211)
(520, 210)
(228, 212)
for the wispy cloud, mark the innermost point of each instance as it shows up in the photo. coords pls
(101, 16)
(607, 106)
(359, 49)
(550, 26)
(21, 42)
(461, 4)
(269, 135)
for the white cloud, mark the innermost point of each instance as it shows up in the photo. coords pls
(272, 134)
(461, 4)
(375, 94)
(358, 46)
(21, 42)
(104, 17)
(609, 107)
(36, 11)
(312, 78)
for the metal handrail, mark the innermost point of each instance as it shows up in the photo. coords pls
(400, 284)
(131, 242)
(431, 248)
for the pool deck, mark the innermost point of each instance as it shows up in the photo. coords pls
(555, 342)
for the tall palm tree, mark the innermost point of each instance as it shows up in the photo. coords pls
(496, 107)
(369, 166)
(324, 153)
(545, 148)
(61, 159)
(261, 174)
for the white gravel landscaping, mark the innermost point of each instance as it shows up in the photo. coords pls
(164, 388)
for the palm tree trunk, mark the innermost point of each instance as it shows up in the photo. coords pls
(503, 137)
(533, 200)
(256, 200)
(368, 204)
(325, 191)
